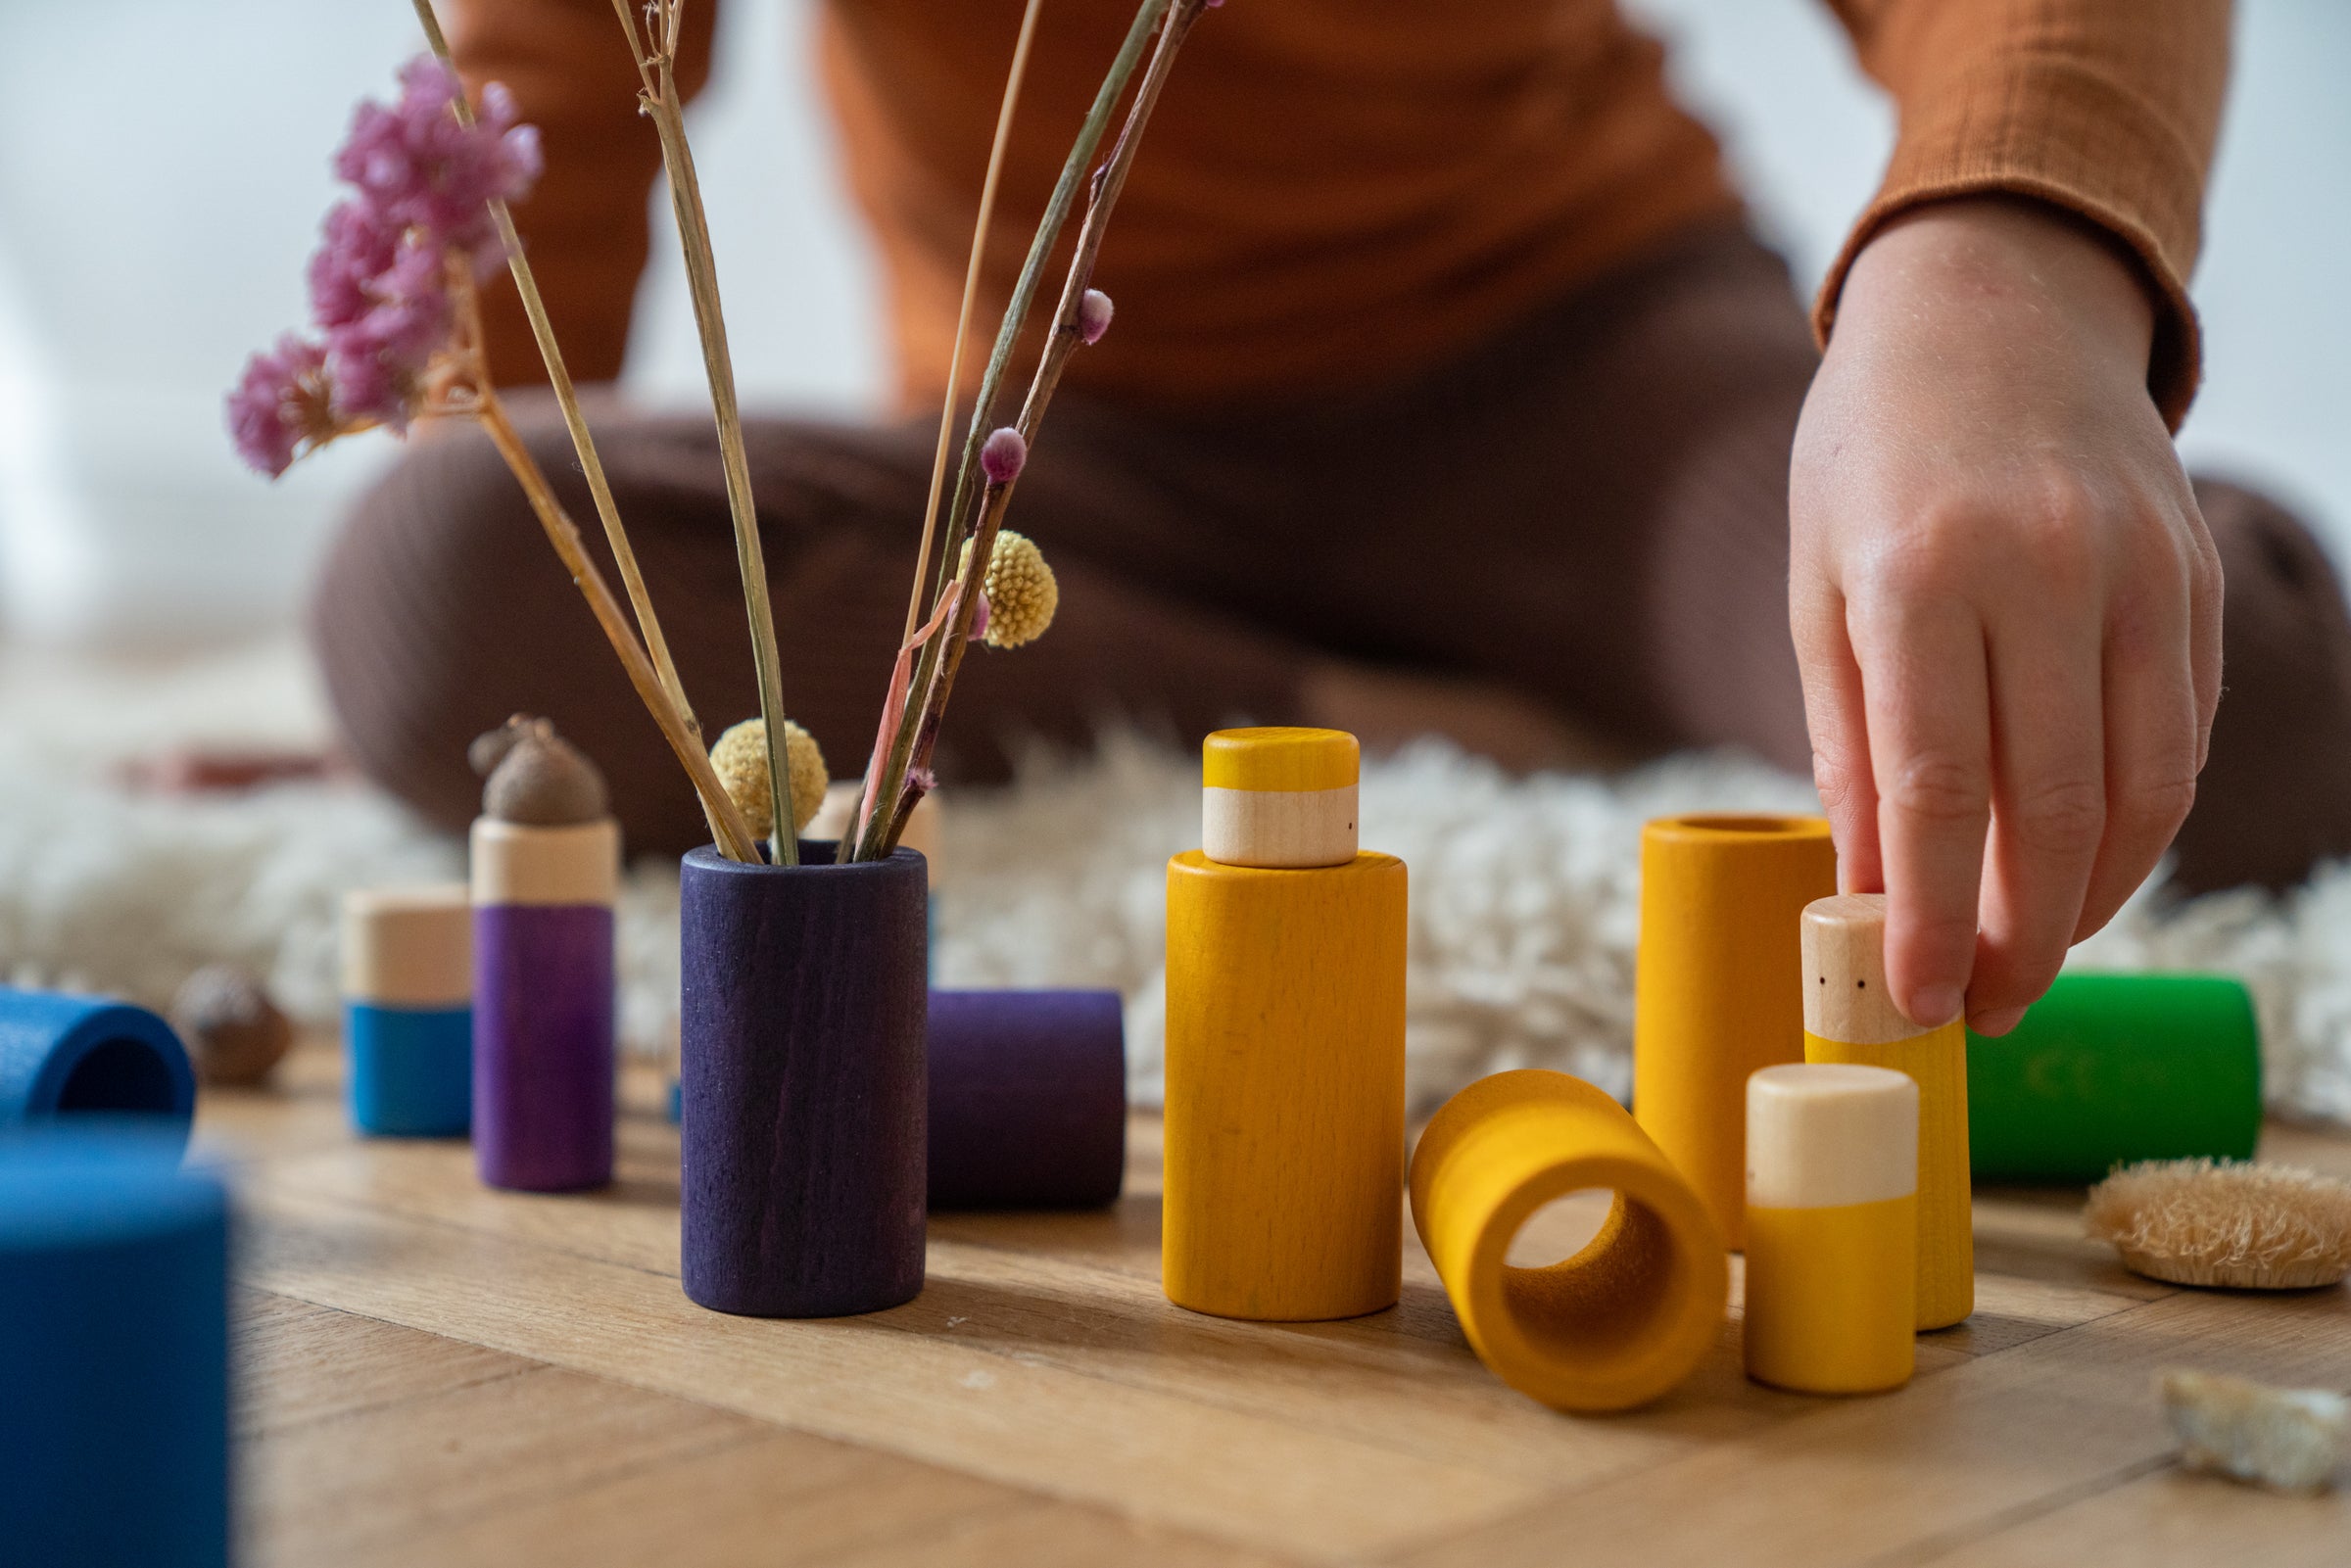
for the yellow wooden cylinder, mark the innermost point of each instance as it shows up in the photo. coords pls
(1716, 993)
(1946, 1243)
(1284, 1088)
(1622, 1321)
(1850, 1016)
(1832, 1228)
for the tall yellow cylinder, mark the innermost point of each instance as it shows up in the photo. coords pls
(1284, 1046)
(1715, 993)
(1850, 1017)
(1622, 1321)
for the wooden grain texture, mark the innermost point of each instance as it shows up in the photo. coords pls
(1284, 1088)
(1843, 963)
(1716, 991)
(1042, 1401)
(517, 863)
(1626, 1317)
(408, 947)
(803, 1053)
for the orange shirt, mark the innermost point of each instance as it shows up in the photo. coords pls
(1337, 191)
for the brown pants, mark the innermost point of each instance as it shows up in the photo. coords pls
(1589, 516)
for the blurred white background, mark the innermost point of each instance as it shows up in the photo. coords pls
(164, 172)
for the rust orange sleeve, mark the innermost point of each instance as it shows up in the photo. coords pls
(2107, 108)
(584, 226)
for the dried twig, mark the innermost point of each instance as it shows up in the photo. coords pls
(929, 694)
(592, 465)
(963, 316)
(662, 101)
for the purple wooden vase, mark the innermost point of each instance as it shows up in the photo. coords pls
(804, 992)
(543, 1059)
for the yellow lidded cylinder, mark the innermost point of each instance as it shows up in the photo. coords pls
(1832, 1228)
(1284, 1044)
(1715, 992)
(1624, 1320)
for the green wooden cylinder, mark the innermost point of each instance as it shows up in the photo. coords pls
(2109, 1069)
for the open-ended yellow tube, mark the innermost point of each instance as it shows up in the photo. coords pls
(1622, 1321)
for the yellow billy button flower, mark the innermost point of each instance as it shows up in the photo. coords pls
(740, 759)
(1022, 594)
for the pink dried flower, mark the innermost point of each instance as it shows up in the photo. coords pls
(378, 363)
(279, 402)
(417, 167)
(1093, 315)
(1002, 455)
(357, 248)
(978, 621)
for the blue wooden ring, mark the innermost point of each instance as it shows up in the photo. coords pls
(65, 1054)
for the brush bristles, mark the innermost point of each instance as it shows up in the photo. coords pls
(2218, 1223)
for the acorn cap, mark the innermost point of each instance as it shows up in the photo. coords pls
(541, 781)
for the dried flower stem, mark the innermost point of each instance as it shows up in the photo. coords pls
(662, 103)
(884, 825)
(592, 465)
(735, 836)
(1064, 340)
(963, 316)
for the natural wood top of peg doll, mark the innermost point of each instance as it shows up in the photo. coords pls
(1280, 758)
(1846, 998)
(1824, 1134)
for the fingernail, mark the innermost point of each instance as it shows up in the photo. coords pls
(1997, 1022)
(1934, 1005)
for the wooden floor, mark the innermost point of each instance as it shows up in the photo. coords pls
(435, 1373)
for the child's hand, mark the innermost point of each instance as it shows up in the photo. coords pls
(2005, 605)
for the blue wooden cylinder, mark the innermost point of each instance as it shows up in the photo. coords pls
(412, 1069)
(60, 1055)
(801, 1058)
(407, 1010)
(113, 1353)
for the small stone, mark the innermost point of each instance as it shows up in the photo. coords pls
(232, 1028)
(541, 781)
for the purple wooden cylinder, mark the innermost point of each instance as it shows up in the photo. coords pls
(1027, 1099)
(804, 990)
(542, 1064)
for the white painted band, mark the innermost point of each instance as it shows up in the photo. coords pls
(516, 864)
(1279, 827)
(1822, 1134)
(408, 947)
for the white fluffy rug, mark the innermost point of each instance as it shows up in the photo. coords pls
(1524, 899)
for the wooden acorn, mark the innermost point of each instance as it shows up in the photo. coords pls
(546, 872)
(1832, 1227)
(1715, 994)
(407, 1010)
(1630, 1314)
(1285, 1041)
(1850, 1017)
